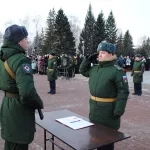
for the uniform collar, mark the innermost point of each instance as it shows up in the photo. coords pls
(107, 63)
(9, 48)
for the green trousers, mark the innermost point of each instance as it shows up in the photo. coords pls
(15, 146)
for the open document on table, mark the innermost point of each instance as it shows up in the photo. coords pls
(74, 122)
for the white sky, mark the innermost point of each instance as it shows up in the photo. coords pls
(132, 15)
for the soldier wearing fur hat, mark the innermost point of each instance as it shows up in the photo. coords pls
(17, 114)
(137, 73)
(52, 73)
(108, 86)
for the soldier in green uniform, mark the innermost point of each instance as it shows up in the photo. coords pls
(137, 73)
(17, 113)
(108, 87)
(52, 73)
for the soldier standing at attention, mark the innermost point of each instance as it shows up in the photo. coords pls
(17, 113)
(137, 73)
(108, 87)
(52, 73)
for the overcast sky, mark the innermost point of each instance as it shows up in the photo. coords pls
(132, 15)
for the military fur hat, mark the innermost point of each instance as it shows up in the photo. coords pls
(15, 33)
(53, 54)
(105, 46)
(138, 55)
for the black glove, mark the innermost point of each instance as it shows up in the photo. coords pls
(115, 116)
(92, 57)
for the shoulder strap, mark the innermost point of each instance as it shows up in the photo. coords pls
(9, 70)
(118, 67)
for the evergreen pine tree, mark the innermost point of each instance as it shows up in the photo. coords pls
(50, 38)
(87, 34)
(38, 42)
(76, 30)
(147, 49)
(41, 42)
(119, 45)
(81, 47)
(111, 29)
(65, 42)
(144, 49)
(99, 30)
(128, 44)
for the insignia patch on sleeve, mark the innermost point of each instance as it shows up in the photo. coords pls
(125, 79)
(27, 68)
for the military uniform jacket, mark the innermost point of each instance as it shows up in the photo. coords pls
(0, 72)
(137, 71)
(17, 114)
(106, 80)
(52, 69)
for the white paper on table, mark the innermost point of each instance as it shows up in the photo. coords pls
(74, 122)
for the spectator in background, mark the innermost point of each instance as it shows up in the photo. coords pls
(34, 65)
(128, 63)
(121, 62)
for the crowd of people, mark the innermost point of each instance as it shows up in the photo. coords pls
(127, 62)
(39, 63)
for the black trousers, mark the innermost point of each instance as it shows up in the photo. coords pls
(108, 147)
(15, 146)
(138, 88)
(52, 86)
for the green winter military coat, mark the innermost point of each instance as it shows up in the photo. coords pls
(137, 71)
(52, 69)
(17, 115)
(0, 73)
(106, 80)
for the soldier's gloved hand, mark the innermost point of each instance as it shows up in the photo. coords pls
(116, 116)
(92, 57)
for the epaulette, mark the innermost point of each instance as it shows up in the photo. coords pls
(118, 67)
